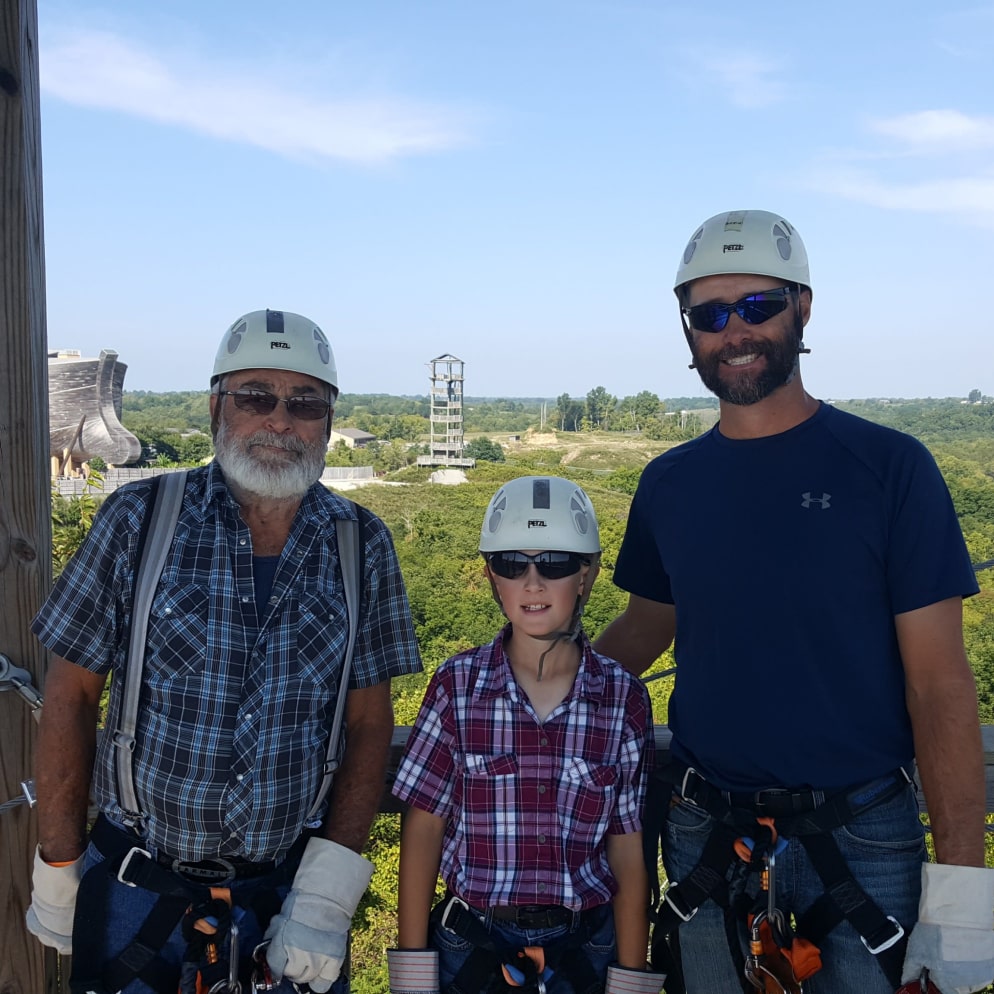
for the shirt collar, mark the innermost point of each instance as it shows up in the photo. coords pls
(496, 678)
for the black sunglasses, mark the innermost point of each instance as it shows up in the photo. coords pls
(551, 565)
(304, 408)
(754, 309)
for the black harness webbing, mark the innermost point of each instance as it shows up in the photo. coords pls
(125, 861)
(481, 973)
(720, 874)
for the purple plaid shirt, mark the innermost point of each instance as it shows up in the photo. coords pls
(529, 804)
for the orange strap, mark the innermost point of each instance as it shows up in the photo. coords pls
(534, 953)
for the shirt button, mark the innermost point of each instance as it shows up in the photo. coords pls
(272, 600)
(541, 838)
(240, 777)
(543, 741)
(241, 541)
(541, 788)
(245, 598)
(168, 610)
(249, 716)
(540, 888)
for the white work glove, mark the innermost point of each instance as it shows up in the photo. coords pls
(53, 902)
(954, 937)
(622, 981)
(413, 971)
(308, 939)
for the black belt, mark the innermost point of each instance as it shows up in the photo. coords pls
(112, 841)
(776, 802)
(533, 915)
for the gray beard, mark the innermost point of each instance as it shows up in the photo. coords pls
(255, 476)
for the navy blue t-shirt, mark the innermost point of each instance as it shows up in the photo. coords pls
(786, 558)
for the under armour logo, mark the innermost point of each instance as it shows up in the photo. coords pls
(823, 500)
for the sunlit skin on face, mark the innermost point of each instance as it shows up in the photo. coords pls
(744, 363)
(272, 455)
(536, 606)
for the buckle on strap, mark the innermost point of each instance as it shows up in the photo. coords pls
(896, 935)
(452, 902)
(224, 872)
(126, 864)
(684, 913)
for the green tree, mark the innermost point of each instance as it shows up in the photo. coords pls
(636, 411)
(484, 448)
(600, 407)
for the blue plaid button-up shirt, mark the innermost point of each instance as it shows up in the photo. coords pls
(236, 706)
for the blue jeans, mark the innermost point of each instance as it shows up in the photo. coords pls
(884, 848)
(121, 910)
(599, 948)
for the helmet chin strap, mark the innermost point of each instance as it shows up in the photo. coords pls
(556, 637)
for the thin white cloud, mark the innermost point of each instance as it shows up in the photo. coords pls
(251, 106)
(968, 196)
(748, 81)
(938, 131)
(930, 161)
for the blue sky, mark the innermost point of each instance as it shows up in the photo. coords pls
(514, 182)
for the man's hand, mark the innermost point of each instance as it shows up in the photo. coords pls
(954, 937)
(308, 939)
(413, 971)
(53, 902)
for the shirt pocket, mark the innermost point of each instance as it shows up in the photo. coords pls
(587, 793)
(490, 784)
(177, 633)
(321, 636)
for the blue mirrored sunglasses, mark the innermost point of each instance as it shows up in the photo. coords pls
(754, 309)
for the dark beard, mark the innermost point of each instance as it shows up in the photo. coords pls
(747, 387)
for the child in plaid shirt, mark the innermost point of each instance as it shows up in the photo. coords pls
(525, 774)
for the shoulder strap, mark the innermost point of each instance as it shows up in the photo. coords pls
(165, 500)
(350, 557)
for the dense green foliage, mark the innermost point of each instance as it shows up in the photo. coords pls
(436, 530)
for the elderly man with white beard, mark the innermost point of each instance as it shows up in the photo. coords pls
(229, 868)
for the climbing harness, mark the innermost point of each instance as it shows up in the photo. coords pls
(749, 831)
(497, 965)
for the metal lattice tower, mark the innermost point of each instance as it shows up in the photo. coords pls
(446, 415)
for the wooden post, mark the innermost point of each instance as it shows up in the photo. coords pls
(25, 508)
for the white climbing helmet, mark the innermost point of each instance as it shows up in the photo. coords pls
(276, 340)
(754, 242)
(540, 512)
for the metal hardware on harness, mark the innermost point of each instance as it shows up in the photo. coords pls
(452, 902)
(126, 863)
(231, 985)
(920, 986)
(755, 972)
(887, 943)
(262, 976)
(681, 913)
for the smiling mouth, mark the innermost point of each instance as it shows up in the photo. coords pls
(742, 360)
(534, 607)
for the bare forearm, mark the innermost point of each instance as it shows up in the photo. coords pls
(949, 754)
(64, 764)
(359, 782)
(631, 902)
(420, 857)
(640, 635)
